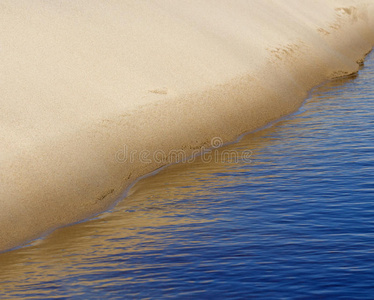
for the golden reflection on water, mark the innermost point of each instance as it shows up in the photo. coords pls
(152, 204)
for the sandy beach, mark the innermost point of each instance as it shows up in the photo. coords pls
(97, 94)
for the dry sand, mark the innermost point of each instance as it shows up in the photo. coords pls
(83, 80)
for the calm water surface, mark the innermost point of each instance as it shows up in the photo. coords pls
(295, 222)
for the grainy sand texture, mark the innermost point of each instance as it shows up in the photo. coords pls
(86, 82)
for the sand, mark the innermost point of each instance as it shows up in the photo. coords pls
(86, 86)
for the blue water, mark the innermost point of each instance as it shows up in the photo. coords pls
(297, 221)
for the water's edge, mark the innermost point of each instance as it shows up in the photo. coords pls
(154, 172)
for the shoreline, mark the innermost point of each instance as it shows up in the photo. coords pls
(56, 175)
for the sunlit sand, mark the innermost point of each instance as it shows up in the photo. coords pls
(81, 80)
